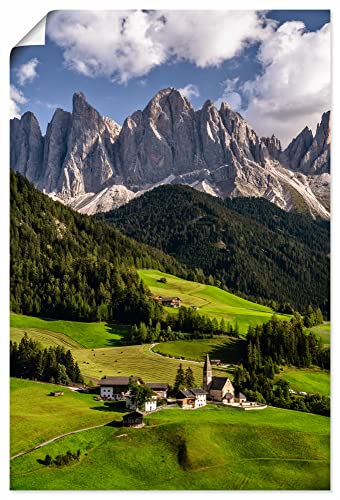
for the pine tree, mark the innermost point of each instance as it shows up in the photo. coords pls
(189, 379)
(179, 380)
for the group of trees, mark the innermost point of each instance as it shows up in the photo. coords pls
(71, 266)
(184, 379)
(280, 343)
(246, 245)
(55, 365)
(187, 324)
(60, 460)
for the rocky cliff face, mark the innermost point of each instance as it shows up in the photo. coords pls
(91, 163)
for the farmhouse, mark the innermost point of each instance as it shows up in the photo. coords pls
(149, 405)
(116, 387)
(133, 419)
(219, 388)
(192, 398)
(166, 301)
(160, 389)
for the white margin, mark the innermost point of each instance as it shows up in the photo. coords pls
(17, 19)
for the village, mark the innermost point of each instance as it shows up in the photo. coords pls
(215, 390)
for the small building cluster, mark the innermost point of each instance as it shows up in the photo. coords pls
(166, 301)
(117, 389)
(192, 398)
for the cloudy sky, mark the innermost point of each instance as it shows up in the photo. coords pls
(273, 67)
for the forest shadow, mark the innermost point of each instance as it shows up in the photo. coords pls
(231, 352)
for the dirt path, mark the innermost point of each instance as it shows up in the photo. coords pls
(55, 439)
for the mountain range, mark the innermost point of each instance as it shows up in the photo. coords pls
(92, 164)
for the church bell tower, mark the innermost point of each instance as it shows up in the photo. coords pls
(207, 374)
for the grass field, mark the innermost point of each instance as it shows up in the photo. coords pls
(84, 334)
(37, 417)
(134, 360)
(311, 380)
(324, 332)
(211, 448)
(212, 301)
(227, 349)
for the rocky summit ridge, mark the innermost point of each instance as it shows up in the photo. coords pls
(92, 164)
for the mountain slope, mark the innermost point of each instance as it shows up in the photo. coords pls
(213, 150)
(249, 245)
(70, 266)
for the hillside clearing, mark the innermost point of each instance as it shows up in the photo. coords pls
(84, 334)
(212, 301)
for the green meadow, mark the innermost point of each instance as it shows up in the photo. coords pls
(214, 448)
(135, 360)
(228, 349)
(86, 335)
(311, 380)
(324, 332)
(212, 301)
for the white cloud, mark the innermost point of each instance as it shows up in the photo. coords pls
(230, 95)
(189, 91)
(16, 98)
(295, 87)
(27, 72)
(125, 44)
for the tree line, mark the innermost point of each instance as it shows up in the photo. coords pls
(29, 360)
(272, 345)
(187, 324)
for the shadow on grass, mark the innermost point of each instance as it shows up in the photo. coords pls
(232, 352)
(121, 331)
(108, 406)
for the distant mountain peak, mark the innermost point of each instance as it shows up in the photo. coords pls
(216, 150)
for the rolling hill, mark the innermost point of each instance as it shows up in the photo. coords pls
(212, 301)
(249, 246)
(212, 448)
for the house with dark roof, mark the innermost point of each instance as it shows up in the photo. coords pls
(133, 419)
(219, 388)
(159, 388)
(192, 398)
(115, 388)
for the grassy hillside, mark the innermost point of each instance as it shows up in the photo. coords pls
(134, 360)
(311, 380)
(227, 349)
(97, 362)
(37, 417)
(211, 448)
(324, 332)
(76, 334)
(212, 301)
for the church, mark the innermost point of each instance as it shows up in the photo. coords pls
(219, 388)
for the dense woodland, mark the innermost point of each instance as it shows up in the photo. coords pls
(279, 343)
(248, 246)
(55, 365)
(71, 266)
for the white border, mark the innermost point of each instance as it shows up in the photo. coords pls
(17, 19)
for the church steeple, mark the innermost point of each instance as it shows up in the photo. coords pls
(207, 373)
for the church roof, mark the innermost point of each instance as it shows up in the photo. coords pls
(218, 383)
(207, 364)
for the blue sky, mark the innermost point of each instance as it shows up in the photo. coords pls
(244, 60)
